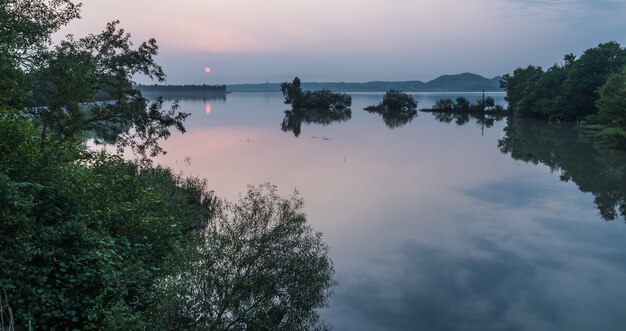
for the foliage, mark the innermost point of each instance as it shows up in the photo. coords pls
(72, 78)
(60, 85)
(615, 137)
(394, 100)
(323, 99)
(612, 101)
(260, 267)
(83, 241)
(292, 92)
(462, 104)
(568, 91)
(26, 27)
(28, 24)
(397, 108)
(444, 104)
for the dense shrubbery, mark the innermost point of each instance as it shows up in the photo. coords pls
(612, 102)
(396, 109)
(394, 101)
(84, 237)
(569, 91)
(323, 99)
(260, 267)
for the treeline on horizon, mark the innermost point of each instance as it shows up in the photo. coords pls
(155, 88)
(590, 89)
(465, 82)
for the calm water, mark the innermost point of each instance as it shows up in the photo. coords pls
(437, 223)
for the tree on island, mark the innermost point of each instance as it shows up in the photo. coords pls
(323, 99)
(394, 101)
(396, 109)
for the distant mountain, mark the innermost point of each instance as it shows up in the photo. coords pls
(465, 82)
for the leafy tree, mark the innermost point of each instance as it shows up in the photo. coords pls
(462, 104)
(444, 104)
(568, 91)
(394, 100)
(587, 74)
(612, 101)
(323, 99)
(396, 109)
(76, 74)
(261, 267)
(488, 103)
(92, 236)
(519, 87)
(60, 85)
(26, 27)
(292, 92)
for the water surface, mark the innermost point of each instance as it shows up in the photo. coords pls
(434, 223)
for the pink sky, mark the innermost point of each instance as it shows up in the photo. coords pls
(356, 40)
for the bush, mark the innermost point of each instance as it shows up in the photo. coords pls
(260, 267)
(84, 237)
(394, 100)
(323, 99)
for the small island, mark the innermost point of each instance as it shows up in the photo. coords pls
(322, 99)
(396, 109)
(462, 105)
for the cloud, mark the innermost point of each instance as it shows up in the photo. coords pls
(423, 288)
(362, 39)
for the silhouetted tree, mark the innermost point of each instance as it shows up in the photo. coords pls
(396, 109)
(323, 99)
(261, 267)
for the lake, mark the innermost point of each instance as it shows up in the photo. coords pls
(434, 222)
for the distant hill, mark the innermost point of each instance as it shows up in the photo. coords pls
(465, 82)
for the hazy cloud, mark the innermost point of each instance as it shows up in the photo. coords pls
(358, 39)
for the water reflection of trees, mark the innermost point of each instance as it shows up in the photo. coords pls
(486, 119)
(602, 172)
(292, 122)
(395, 118)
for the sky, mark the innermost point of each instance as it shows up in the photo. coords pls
(247, 41)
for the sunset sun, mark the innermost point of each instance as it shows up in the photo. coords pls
(207, 69)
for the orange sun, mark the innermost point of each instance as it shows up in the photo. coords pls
(207, 69)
